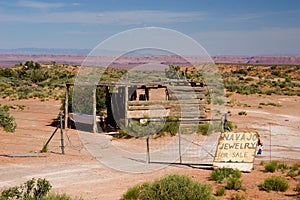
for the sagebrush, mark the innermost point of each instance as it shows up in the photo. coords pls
(221, 174)
(33, 189)
(275, 183)
(173, 186)
(7, 122)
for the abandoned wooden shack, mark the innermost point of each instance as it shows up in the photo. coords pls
(181, 99)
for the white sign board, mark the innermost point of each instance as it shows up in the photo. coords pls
(236, 150)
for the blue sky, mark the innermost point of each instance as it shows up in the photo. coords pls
(231, 27)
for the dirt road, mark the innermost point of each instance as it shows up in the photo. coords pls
(78, 173)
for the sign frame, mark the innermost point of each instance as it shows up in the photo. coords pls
(236, 150)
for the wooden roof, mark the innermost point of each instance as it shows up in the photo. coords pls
(138, 83)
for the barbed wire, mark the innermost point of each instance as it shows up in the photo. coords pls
(69, 143)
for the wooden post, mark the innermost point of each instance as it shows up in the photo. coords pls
(270, 130)
(67, 106)
(126, 106)
(45, 147)
(95, 128)
(148, 150)
(61, 134)
(179, 145)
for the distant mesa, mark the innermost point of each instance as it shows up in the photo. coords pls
(288, 60)
(11, 57)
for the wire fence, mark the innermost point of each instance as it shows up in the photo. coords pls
(281, 142)
(35, 134)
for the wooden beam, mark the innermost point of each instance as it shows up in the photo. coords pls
(95, 128)
(67, 106)
(162, 83)
(126, 106)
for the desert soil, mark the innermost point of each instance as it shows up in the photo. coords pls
(80, 174)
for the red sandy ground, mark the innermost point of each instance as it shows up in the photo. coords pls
(77, 173)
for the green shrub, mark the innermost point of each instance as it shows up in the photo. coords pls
(282, 166)
(275, 183)
(218, 101)
(221, 191)
(204, 129)
(241, 71)
(269, 92)
(270, 104)
(237, 196)
(233, 183)
(274, 104)
(33, 77)
(6, 121)
(174, 187)
(136, 129)
(31, 189)
(249, 79)
(242, 113)
(132, 193)
(7, 72)
(246, 105)
(276, 73)
(59, 197)
(171, 126)
(42, 188)
(220, 174)
(295, 166)
(208, 128)
(246, 89)
(13, 107)
(231, 125)
(271, 166)
(122, 133)
(273, 67)
(262, 163)
(291, 173)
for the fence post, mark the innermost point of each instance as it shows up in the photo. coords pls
(179, 143)
(270, 130)
(61, 134)
(148, 150)
(95, 128)
(44, 149)
(126, 106)
(67, 106)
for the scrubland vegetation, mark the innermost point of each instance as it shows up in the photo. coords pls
(33, 190)
(261, 79)
(184, 187)
(170, 187)
(47, 81)
(173, 186)
(33, 80)
(289, 171)
(6, 121)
